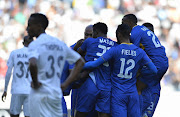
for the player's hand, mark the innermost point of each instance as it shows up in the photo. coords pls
(64, 86)
(36, 85)
(4, 96)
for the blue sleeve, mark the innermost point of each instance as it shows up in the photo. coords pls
(94, 64)
(85, 44)
(109, 54)
(147, 61)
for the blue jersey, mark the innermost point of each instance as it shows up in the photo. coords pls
(127, 59)
(153, 47)
(155, 51)
(64, 76)
(94, 48)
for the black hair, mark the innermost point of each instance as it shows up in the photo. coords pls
(124, 30)
(102, 27)
(40, 18)
(149, 26)
(27, 39)
(132, 18)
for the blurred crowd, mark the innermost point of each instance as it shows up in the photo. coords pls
(68, 19)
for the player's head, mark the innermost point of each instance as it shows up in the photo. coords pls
(123, 33)
(99, 29)
(149, 26)
(37, 24)
(88, 31)
(27, 40)
(130, 20)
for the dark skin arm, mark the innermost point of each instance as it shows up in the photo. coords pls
(74, 74)
(34, 72)
(78, 44)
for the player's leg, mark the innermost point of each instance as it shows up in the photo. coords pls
(73, 101)
(86, 100)
(150, 110)
(133, 105)
(103, 103)
(25, 105)
(15, 106)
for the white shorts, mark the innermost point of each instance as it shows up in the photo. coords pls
(44, 105)
(17, 101)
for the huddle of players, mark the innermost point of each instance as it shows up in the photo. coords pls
(117, 76)
(108, 81)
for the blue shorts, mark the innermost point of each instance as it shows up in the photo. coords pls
(121, 104)
(103, 101)
(149, 111)
(65, 113)
(86, 96)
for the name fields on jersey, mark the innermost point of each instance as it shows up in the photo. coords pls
(128, 52)
(53, 47)
(103, 40)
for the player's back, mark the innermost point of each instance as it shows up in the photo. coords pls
(127, 59)
(96, 47)
(153, 47)
(51, 54)
(21, 75)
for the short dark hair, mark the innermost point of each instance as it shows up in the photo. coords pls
(124, 29)
(40, 18)
(102, 27)
(132, 17)
(149, 26)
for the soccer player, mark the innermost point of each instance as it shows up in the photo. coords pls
(20, 89)
(155, 51)
(76, 91)
(127, 59)
(94, 48)
(47, 56)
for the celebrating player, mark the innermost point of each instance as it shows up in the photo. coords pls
(155, 51)
(94, 48)
(20, 89)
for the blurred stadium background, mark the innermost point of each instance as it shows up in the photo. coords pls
(68, 19)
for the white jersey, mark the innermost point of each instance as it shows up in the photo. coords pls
(18, 61)
(51, 54)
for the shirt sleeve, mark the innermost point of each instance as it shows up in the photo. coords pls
(135, 37)
(109, 54)
(145, 59)
(85, 45)
(10, 64)
(32, 51)
(71, 55)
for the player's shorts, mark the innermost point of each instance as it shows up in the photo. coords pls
(103, 101)
(44, 105)
(17, 101)
(149, 111)
(86, 96)
(64, 107)
(121, 104)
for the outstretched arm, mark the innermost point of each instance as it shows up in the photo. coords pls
(94, 64)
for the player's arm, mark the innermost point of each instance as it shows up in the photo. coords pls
(8, 75)
(78, 44)
(152, 68)
(34, 73)
(74, 73)
(94, 64)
